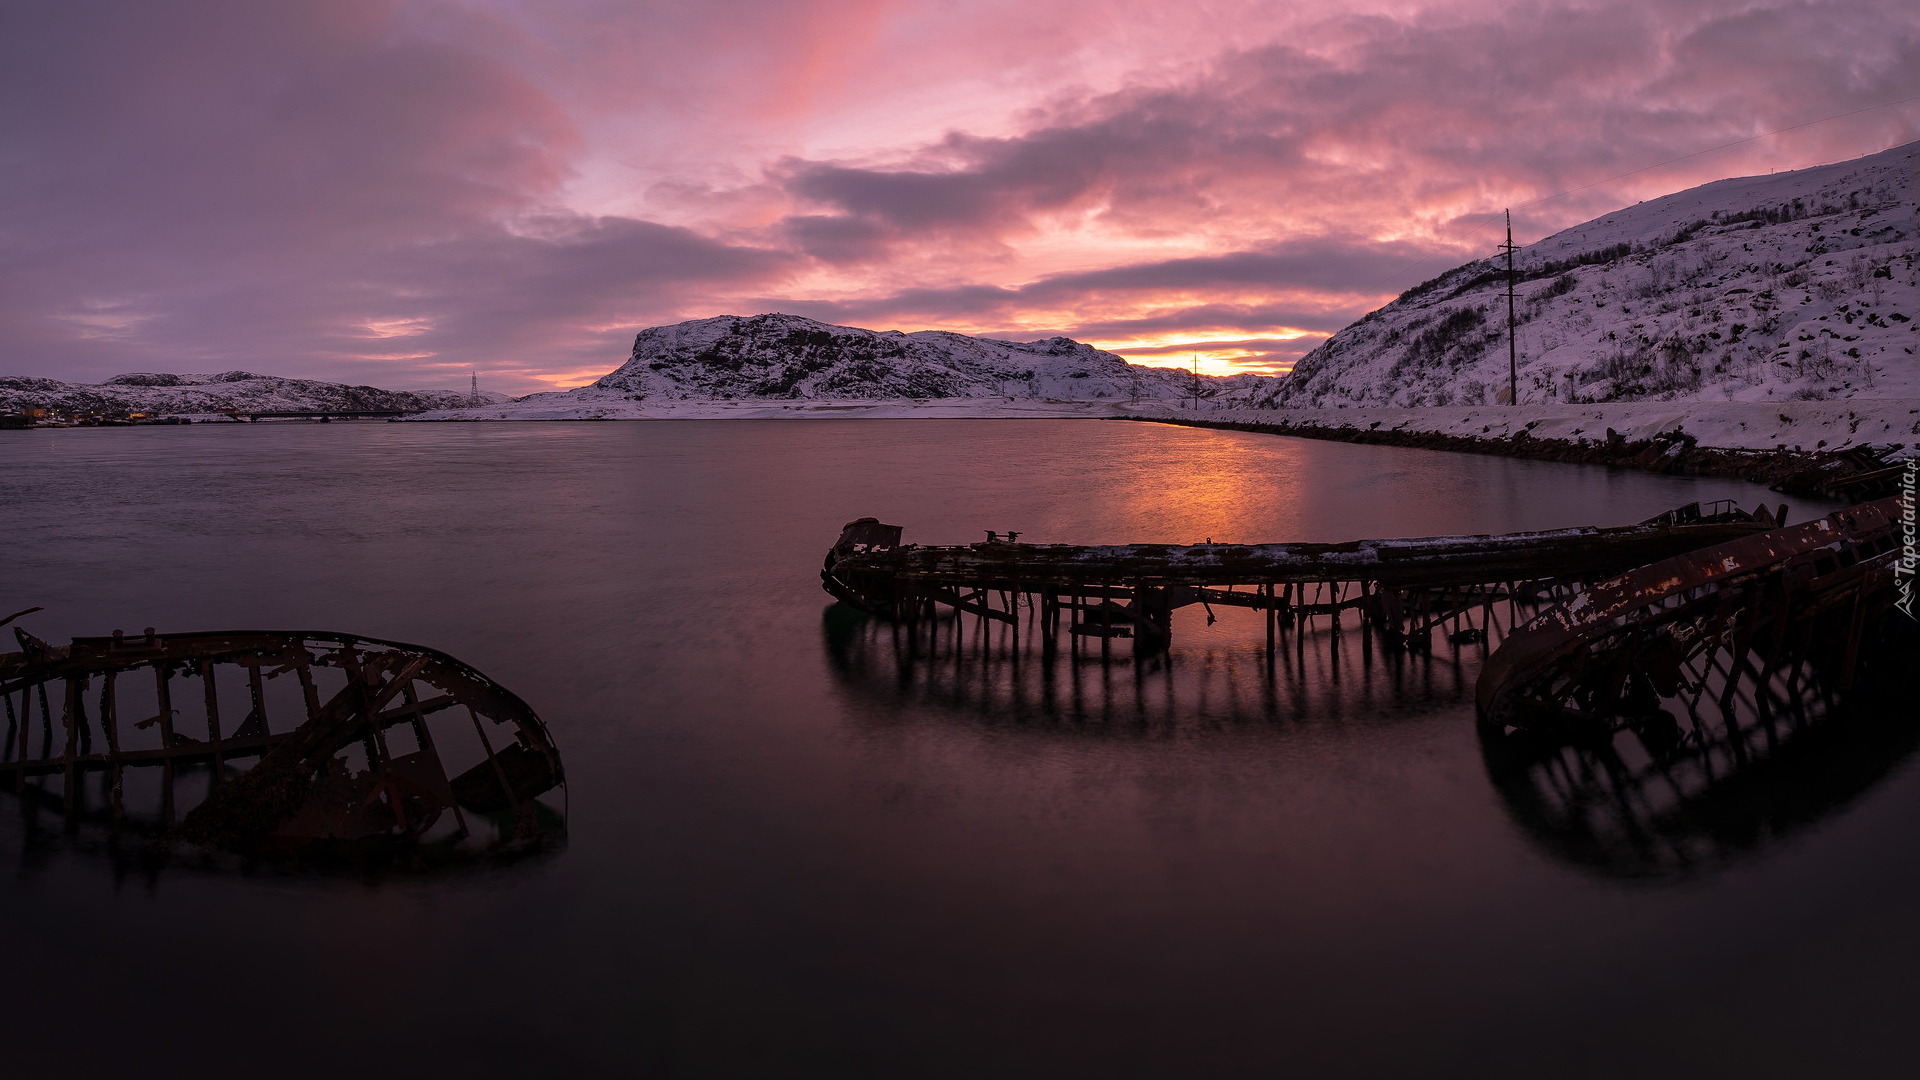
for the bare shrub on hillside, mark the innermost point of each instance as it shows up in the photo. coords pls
(1816, 363)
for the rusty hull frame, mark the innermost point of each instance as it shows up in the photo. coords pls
(1744, 607)
(297, 790)
(1405, 587)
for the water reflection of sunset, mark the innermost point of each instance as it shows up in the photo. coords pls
(1207, 487)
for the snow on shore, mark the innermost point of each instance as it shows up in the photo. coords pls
(1805, 426)
(564, 407)
(1727, 425)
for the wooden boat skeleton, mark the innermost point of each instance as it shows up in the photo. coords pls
(340, 737)
(1405, 587)
(1699, 626)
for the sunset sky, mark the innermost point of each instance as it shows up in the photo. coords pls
(397, 192)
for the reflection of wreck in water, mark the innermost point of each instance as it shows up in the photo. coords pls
(1221, 679)
(989, 623)
(257, 741)
(1663, 697)
(1659, 798)
(1692, 707)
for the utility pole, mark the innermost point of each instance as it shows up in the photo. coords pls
(1196, 382)
(1513, 346)
(474, 396)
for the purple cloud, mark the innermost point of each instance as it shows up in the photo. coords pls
(393, 191)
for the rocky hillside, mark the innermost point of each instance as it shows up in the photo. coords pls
(1795, 286)
(211, 395)
(787, 358)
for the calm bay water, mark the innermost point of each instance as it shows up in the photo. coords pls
(786, 855)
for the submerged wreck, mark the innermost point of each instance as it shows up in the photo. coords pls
(1753, 623)
(1404, 588)
(1672, 796)
(262, 741)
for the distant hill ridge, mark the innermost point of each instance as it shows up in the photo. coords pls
(780, 357)
(1794, 286)
(207, 395)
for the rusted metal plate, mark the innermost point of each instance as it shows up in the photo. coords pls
(866, 535)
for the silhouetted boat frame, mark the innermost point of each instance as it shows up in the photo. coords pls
(332, 764)
(1701, 630)
(1405, 587)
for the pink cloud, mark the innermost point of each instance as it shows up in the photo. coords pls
(519, 187)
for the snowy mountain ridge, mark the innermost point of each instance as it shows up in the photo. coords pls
(791, 358)
(163, 394)
(1794, 286)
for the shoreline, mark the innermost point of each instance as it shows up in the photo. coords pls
(1674, 458)
(1763, 442)
(1715, 439)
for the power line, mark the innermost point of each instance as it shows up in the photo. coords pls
(1513, 343)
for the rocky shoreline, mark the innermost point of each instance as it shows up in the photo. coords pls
(1667, 450)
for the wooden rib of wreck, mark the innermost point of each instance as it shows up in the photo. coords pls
(1733, 625)
(1405, 587)
(343, 701)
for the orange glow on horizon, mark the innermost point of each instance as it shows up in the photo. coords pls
(1225, 351)
(1219, 361)
(1201, 341)
(571, 379)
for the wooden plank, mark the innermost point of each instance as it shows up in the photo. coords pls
(259, 696)
(212, 698)
(109, 720)
(954, 600)
(188, 752)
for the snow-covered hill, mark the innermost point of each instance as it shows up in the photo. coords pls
(211, 395)
(1795, 286)
(789, 358)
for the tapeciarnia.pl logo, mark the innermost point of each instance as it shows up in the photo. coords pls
(1903, 569)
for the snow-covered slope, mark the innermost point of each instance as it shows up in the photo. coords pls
(1795, 286)
(789, 358)
(210, 395)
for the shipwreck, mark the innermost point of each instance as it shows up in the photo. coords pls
(1738, 623)
(1405, 589)
(1673, 795)
(264, 741)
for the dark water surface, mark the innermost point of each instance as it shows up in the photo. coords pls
(787, 855)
